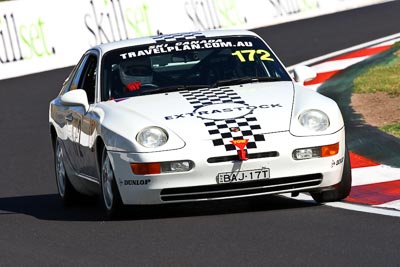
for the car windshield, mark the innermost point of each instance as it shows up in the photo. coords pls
(188, 64)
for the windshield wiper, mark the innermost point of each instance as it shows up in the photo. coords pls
(243, 80)
(172, 88)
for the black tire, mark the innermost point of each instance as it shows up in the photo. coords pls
(110, 197)
(342, 190)
(66, 190)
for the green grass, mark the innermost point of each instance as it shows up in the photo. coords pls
(381, 78)
(384, 77)
(393, 129)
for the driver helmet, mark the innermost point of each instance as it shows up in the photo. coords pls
(136, 70)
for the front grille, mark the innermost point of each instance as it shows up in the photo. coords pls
(270, 186)
(270, 154)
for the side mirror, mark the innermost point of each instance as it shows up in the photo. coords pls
(304, 74)
(75, 97)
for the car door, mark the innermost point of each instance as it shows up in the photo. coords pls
(68, 118)
(78, 123)
(86, 130)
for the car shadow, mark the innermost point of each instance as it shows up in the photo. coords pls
(50, 207)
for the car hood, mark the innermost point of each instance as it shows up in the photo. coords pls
(257, 107)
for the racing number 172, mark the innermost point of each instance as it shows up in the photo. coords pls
(264, 55)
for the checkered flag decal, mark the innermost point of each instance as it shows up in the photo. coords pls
(211, 96)
(178, 37)
(223, 131)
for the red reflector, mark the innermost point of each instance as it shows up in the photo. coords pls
(329, 150)
(146, 168)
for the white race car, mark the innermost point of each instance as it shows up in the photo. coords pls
(194, 116)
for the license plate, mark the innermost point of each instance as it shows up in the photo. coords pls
(242, 176)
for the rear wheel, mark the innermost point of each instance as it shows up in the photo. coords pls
(341, 190)
(111, 199)
(66, 190)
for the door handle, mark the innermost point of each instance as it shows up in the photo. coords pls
(69, 117)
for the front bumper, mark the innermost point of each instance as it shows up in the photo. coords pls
(275, 154)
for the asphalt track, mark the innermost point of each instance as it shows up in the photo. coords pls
(36, 230)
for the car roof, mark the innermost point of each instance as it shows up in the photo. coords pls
(104, 48)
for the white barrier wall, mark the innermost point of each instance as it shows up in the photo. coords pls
(41, 35)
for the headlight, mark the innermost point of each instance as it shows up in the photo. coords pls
(152, 137)
(314, 120)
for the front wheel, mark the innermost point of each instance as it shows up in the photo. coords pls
(342, 189)
(111, 199)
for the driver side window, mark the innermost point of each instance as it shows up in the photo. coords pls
(85, 77)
